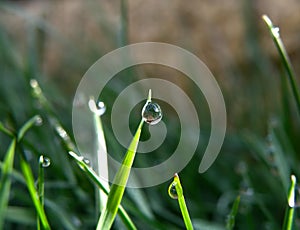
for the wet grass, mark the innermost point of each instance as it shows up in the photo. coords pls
(254, 165)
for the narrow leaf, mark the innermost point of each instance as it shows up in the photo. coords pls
(289, 215)
(284, 58)
(5, 182)
(231, 217)
(98, 181)
(176, 192)
(117, 189)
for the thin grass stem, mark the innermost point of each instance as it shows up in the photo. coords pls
(284, 58)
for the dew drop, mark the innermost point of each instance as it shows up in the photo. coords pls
(61, 132)
(275, 31)
(38, 121)
(35, 86)
(45, 161)
(33, 83)
(152, 113)
(86, 161)
(98, 108)
(172, 191)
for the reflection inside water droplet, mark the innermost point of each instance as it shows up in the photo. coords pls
(45, 161)
(172, 191)
(152, 113)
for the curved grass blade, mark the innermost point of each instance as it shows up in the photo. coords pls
(284, 58)
(178, 194)
(231, 217)
(98, 181)
(289, 215)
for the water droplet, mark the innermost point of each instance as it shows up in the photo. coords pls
(35, 86)
(172, 191)
(152, 113)
(61, 132)
(33, 83)
(45, 161)
(275, 31)
(38, 121)
(98, 108)
(86, 161)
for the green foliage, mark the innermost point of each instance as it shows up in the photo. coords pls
(257, 159)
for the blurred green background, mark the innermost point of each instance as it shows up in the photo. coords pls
(56, 42)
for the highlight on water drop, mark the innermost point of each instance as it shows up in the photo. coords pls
(44, 161)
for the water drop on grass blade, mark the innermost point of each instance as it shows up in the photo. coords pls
(152, 113)
(86, 161)
(38, 121)
(98, 108)
(172, 191)
(45, 161)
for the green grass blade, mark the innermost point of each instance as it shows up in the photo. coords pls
(101, 151)
(98, 181)
(5, 130)
(284, 58)
(5, 181)
(31, 122)
(178, 194)
(7, 168)
(117, 189)
(289, 215)
(25, 167)
(231, 217)
(43, 162)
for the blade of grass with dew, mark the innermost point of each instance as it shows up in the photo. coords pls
(51, 116)
(178, 194)
(41, 186)
(115, 195)
(69, 145)
(284, 58)
(231, 217)
(25, 167)
(97, 180)
(289, 215)
(101, 150)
